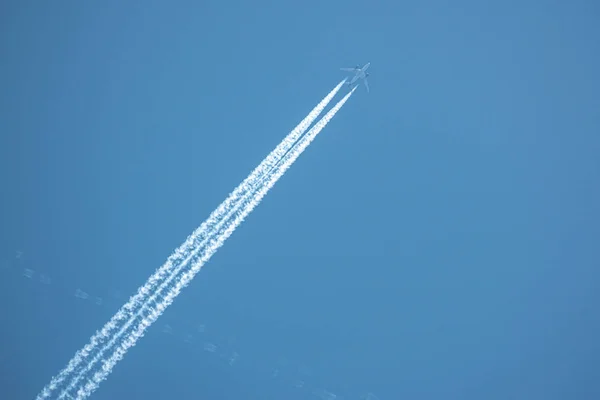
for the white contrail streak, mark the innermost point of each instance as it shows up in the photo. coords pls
(215, 243)
(165, 284)
(127, 311)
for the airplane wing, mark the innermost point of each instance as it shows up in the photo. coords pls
(348, 69)
(366, 84)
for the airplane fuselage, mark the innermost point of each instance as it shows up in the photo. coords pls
(360, 73)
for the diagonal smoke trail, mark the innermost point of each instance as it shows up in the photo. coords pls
(81, 373)
(216, 242)
(127, 311)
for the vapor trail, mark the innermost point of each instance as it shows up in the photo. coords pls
(215, 243)
(81, 373)
(127, 311)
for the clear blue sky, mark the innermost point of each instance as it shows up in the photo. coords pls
(439, 240)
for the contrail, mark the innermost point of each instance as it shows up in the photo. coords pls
(215, 243)
(179, 256)
(81, 373)
(148, 303)
(146, 289)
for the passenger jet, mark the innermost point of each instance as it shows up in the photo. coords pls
(359, 73)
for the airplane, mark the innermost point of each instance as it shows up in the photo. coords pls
(359, 73)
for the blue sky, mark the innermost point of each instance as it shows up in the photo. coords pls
(438, 240)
